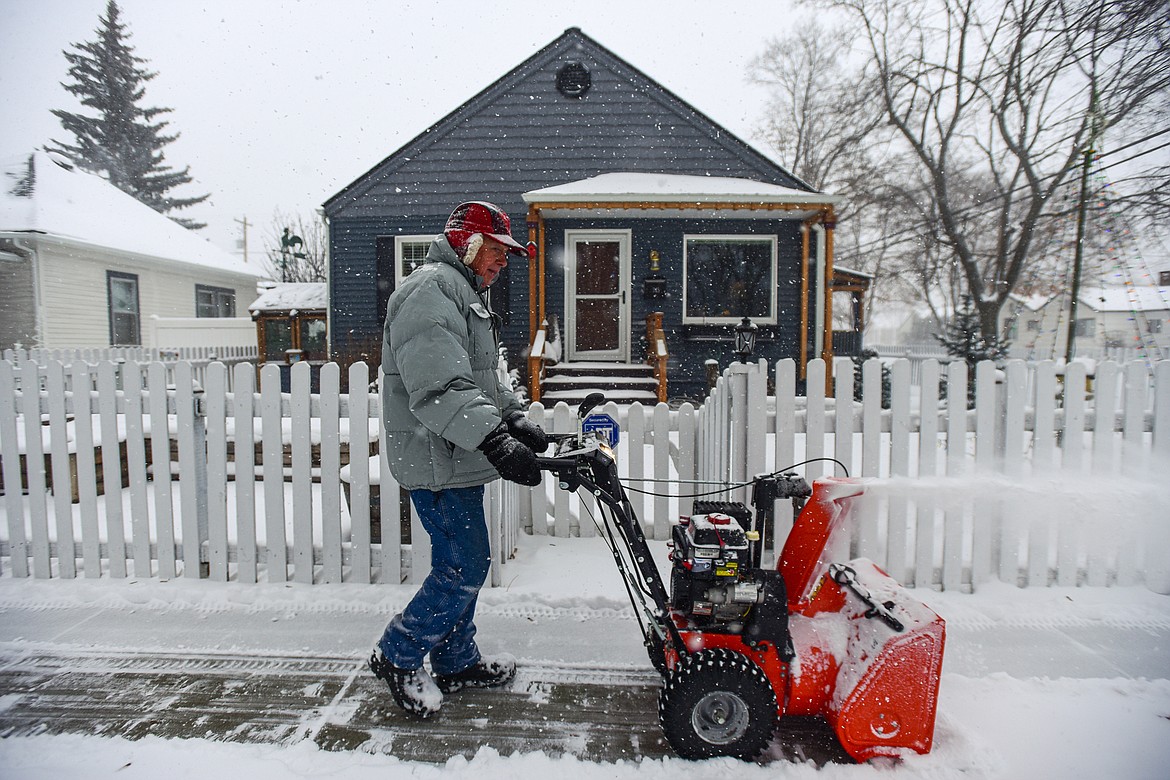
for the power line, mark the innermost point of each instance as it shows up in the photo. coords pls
(911, 232)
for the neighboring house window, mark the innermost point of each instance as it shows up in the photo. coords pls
(1154, 326)
(729, 277)
(214, 301)
(1086, 327)
(122, 294)
(1164, 278)
(1033, 326)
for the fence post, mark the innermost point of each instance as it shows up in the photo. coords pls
(737, 376)
(1157, 566)
(201, 476)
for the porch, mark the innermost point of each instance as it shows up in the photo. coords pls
(700, 253)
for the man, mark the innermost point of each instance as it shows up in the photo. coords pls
(451, 427)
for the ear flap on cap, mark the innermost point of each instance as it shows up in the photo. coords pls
(473, 245)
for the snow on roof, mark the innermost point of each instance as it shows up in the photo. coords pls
(1033, 302)
(1125, 298)
(666, 187)
(71, 204)
(288, 296)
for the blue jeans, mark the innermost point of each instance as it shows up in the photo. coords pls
(439, 620)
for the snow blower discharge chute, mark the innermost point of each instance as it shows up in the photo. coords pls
(739, 646)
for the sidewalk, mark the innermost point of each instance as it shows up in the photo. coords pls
(277, 663)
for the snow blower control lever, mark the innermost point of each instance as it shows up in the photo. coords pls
(740, 645)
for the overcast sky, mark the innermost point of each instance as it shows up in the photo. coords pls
(282, 103)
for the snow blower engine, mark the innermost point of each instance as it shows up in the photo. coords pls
(740, 645)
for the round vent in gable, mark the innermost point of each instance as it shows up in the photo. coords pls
(573, 80)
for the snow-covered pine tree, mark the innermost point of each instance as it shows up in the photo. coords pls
(963, 338)
(124, 141)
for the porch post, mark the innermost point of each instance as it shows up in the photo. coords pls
(804, 231)
(533, 217)
(830, 222)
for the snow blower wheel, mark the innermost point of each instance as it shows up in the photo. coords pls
(717, 703)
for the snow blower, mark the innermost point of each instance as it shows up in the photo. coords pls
(739, 646)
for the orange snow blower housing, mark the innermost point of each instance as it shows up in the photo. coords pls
(739, 646)
(864, 653)
(868, 655)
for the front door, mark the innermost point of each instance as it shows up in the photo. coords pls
(597, 293)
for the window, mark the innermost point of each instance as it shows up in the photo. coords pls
(312, 338)
(214, 301)
(122, 295)
(1164, 278)
(727, 278)
(1154, 326)
(1086, 327)
(397, 256)
(845, 311)
(1033, 326)
(410, 252)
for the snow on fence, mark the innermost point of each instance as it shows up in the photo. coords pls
(198, 357)
(271, 486)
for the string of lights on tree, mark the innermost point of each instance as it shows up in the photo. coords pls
(1061, 244)
(1121, 265)
(1126, 258)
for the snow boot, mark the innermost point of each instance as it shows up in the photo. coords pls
(488, 672)
(413, 689)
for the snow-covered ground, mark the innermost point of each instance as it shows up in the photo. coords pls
(1037, 683)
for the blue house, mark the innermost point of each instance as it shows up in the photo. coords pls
(655, 231)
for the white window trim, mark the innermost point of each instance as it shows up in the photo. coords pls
(753, 237)
(399, 243)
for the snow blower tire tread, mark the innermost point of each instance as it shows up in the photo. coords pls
(717, 703)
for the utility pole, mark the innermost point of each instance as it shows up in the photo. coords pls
(244, 223)
(1079, 252)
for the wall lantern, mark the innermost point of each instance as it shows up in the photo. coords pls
(654, 285)
(745, 339)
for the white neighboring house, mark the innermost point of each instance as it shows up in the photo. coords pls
(1109, 319)
(83, 264)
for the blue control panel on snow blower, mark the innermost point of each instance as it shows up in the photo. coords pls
(605, 424)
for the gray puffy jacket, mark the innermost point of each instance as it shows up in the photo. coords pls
(440, 391)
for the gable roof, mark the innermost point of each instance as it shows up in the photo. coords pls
(520, 133)
(67, 203)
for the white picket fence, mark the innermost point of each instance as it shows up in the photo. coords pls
(242, 521)
(949, 504)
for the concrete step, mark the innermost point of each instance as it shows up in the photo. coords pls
(622, 383)
(599, 369)
(574, 396)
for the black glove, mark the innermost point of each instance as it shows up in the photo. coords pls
(529, 433)
(514, 459)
